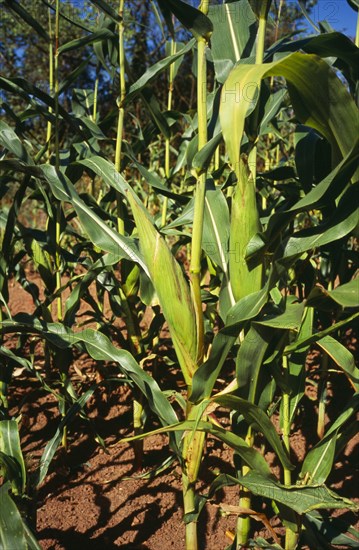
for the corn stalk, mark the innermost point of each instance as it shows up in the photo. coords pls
(245, 224)
(57, 160)
(167, 140)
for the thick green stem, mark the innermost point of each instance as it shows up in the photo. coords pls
(57, 161)
(193, 445)
(198, 217)
(244, 522)
(255, 276)
(51, 82)
(217, 158)
(51, 92)
(136, 350)
(135, 343)
(357, 31)
(56, 83)
(167, 143)
(58, 261)
(134, 337)
(262, 31)
(58, 203)
(121, 115)
(290, 536)
(322, 390)
(323, 387)
(196, 249)
(189, 506)
(95, 96)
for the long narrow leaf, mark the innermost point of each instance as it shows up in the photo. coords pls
(101, 234)
(319, 98)
(300, 498)
(250, 456)
(10, 446)
(254, 415)
(11, 528)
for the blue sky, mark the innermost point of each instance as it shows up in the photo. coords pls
(338, 14)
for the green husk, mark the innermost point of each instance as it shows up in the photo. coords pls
(171, 287)
(245, 223)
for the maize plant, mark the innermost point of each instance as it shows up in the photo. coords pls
(255, 183)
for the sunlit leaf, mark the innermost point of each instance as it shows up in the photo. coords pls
(300, 498)
(194, 20)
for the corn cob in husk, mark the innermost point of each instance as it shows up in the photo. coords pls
(245, 223)
(171, 288)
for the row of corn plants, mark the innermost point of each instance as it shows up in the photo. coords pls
(257, 188)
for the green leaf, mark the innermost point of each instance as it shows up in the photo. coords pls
(342, 357)
(249, 360)
(320, 195)
(171, 288)
(271, 108)
(23, 88)
(5, 352)
(234, 33)
(163, 270)
(304, 342)
(260, 542)
(27, 17)
(202, 158)
(291, 319)
(95, 131)
(31, 541)
(107, 9)
(99, 232)
(318, 463)
(55, 441)
(347, 295)
(41, 258)
(319, 98)
(100, 348)
(77, 43)
(333, 184)
(297, 363)
(245, 276)
(11, 524)
(191, 18)
(334, 44)
(300, 498)
(156, 69)
(307, 16)
(206, 375)
(216, 229)
(150, 100)
(167, 16)
(329, 532)
(250, 456)
(354, 4)
(254, 415)
(243, 310)
(73, 76)
(343, 221)
(74, 299)
(155, 181)
(10, 141)
(10, 446)
(10, 470)
(349, 409)
(174, 47)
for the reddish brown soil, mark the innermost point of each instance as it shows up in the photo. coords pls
(88, 500)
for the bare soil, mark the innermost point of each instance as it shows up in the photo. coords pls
(89, 499)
